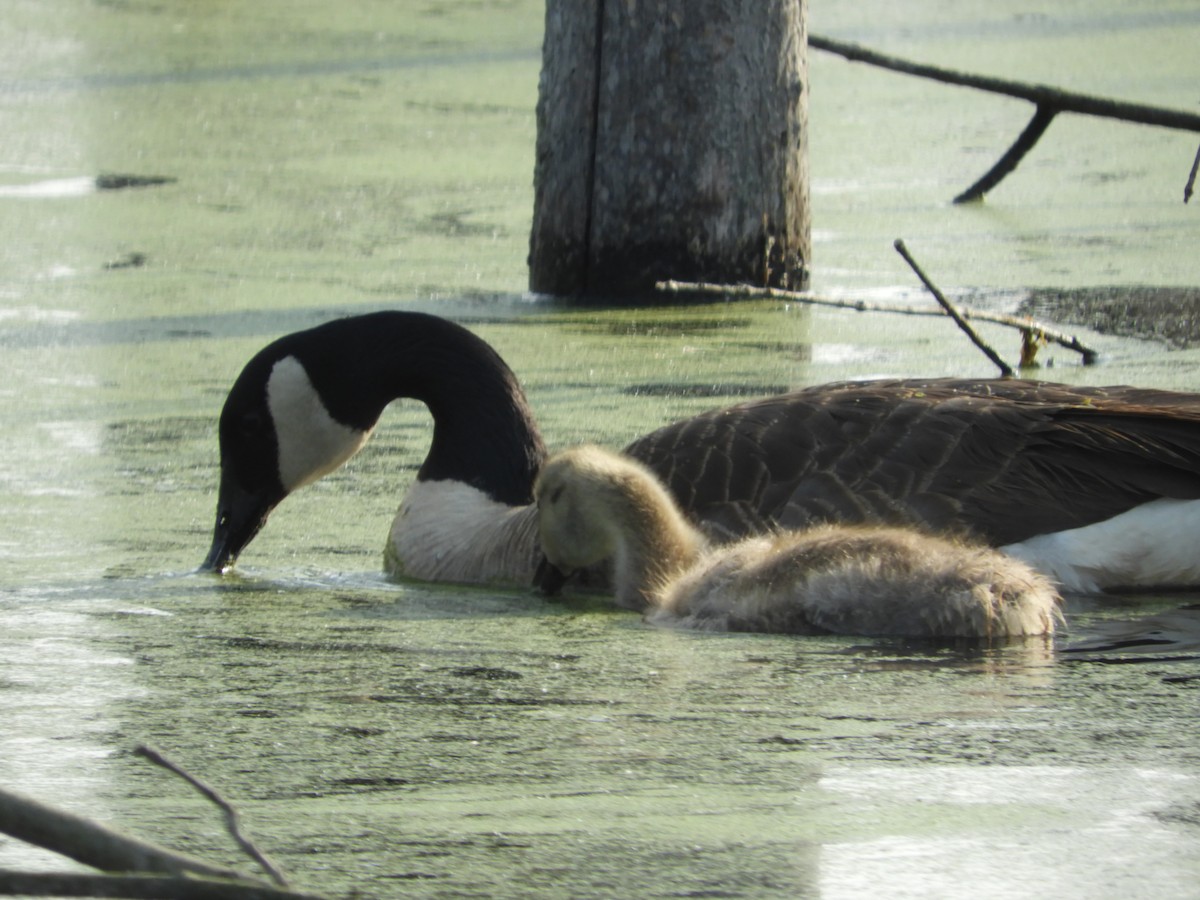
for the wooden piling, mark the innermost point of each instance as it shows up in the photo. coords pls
(671, 144)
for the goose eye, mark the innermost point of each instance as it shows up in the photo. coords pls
(252, 423)
(556, 494)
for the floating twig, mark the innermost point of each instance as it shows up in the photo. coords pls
(1048, 100)
(1025, 325)
(1005, 369)
(232, 821)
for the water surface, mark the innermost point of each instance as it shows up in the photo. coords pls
(434, 741)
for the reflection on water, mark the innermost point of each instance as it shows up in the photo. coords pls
(58, 685)
(1001, 829)
(55, 187)
(1173, 634)
(412, 740)
(1014, 847)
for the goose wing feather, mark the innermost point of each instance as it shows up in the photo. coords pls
(1005, 460)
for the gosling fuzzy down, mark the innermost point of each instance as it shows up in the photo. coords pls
(595, 505)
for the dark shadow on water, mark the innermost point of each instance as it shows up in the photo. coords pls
(484, 308)
(266, 323)
(1167, 636)
(290, 69)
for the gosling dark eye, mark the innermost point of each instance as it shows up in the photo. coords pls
(556, 494)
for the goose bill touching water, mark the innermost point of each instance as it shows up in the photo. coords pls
(1095, 487)
(595, 505)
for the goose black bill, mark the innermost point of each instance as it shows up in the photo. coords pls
(241, 514)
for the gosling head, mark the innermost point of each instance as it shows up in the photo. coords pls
(574, 521)
(594, 505)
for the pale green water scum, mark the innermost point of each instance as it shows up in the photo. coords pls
(408, 740)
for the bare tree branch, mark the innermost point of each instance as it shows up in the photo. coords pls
(1031, 327)
(1042, 117)
(232, 821)
(93, 844)
(1005, 369)
(1038, 94)
(136, 887)
(1191, 182)
(1049, 101)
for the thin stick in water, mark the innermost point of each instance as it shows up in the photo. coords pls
(1005, 370)
(1190, 187)
(1023, 324)
(232, 821)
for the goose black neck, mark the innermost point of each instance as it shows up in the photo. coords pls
(484, 433)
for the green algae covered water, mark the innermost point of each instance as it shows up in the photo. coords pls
(274, 165)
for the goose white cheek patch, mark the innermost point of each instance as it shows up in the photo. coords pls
(311, 443)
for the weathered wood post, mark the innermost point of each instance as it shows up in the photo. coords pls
(671, 144)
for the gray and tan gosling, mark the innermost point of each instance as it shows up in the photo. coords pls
(595, 505)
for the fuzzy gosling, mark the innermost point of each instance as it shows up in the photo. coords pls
(595, 505)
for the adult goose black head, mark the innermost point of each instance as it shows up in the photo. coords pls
(307, 402)
(1097, 487)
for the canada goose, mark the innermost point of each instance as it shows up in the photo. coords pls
(595, 505)
(1095, 487)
